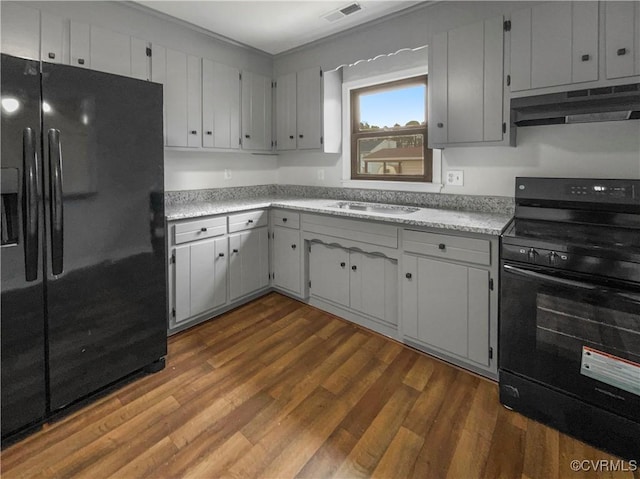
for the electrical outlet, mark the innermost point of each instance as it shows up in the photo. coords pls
(227, 174)
(455, 177)
(321, 174)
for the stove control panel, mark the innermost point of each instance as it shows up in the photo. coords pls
(543, 257)
(600, 191)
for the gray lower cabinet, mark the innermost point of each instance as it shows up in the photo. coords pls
(364, 283)
(248, 262)
(200, 277)
(446, 306)
(287, 259)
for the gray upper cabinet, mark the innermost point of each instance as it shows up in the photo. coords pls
(256, 111)
(110, 51)
(53, 41)
(309, 108)
(553, 44)
(80, 44)
(466, 95)
(220, 105)
(20, 30)
(622, 39)
(286, 112)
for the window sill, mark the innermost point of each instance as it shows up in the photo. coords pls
(393, 185)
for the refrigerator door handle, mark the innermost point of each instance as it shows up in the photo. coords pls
(55, 176)
(30, 204)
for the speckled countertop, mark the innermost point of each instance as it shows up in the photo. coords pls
(458, 220)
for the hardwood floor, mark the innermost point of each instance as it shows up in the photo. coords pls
(278, 389)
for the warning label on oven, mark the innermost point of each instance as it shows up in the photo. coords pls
(612, 370)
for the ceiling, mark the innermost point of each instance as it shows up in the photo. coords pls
(275, 26)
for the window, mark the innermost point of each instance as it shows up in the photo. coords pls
(389, 131)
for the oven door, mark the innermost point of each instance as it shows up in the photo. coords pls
(574, 333)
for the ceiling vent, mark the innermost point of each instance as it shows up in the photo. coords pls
(342, 12)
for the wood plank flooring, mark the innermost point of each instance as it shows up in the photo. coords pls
(278, 389)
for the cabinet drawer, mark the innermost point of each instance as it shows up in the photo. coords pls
(247, 221)
(201, 229)
(287, 219)
(471, 250)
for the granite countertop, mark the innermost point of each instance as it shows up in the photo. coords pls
(470, 221)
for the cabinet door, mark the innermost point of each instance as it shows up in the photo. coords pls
(52, 38)
(159, 75)
(437, 91)
(286, 112)
(110, 51)
(373, 286)
(20, 30)
(208, 275)
(446, 305)
(256, 111)
(465, 83)
(329, 273)
(287, 259)
(139, 59)
(182, 283)
(221, 105)
(309, 108)
(551, 44)
(520, 58)
(175, 98)
(79, 44)
(584, 50)
(622, 39)
(249, 266)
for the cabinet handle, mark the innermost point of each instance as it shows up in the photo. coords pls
(249, 221)
(293, 246)
(194, 132)
(80, 61)
(209, 133)
(301, 136)
(284, 220)
(291, 137)
(408, 275)
(52, 55)
(354, 267)
(442, 246)
(203, 229)
(585, 58)
(343, 264)
(247, 136)
(621, 51)
(440, 125)
(235, 250)
(221, 255)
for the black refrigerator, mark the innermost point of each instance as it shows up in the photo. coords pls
(83, 291)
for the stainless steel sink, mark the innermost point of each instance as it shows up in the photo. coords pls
(374, 208)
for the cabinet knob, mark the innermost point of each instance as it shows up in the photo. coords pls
(293, 246)
(221, 255)
(247, 136)
(249, 221)
(284, 220)
(52, 55)
(194, 132)
(408, 275)
(585, 58)
(235, 250)
(442, 246)
(203, 229)
(291, 137)
(80, 61)
(354, 267)
(209, 133)
(301, 136)
(343, 264)
(621, 51)
(440, 125)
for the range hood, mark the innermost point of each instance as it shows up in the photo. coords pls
(581, 106)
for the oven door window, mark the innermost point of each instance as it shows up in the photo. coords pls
(572, 333)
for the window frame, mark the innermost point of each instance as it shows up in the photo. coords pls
(357, 134)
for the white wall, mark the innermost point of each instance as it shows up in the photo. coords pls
(585, 150)
(183, 170)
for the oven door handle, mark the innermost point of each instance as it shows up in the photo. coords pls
(570, 283)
